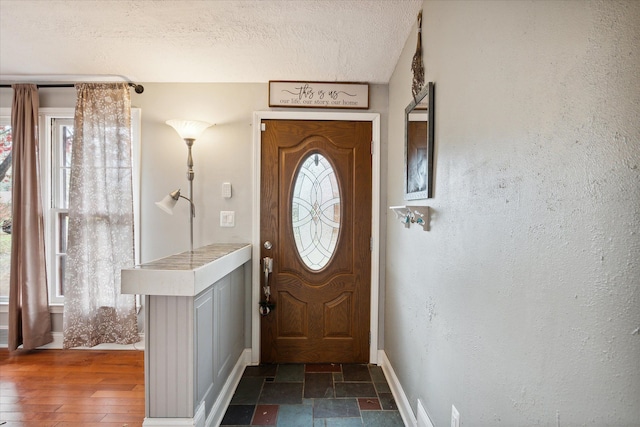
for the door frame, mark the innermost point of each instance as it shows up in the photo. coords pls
(374, 118)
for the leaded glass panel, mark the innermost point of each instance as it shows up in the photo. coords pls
(315, 211)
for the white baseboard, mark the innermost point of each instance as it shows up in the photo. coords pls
(200, 418)
(423, 419)
(168, 422)
(226, 394)
(58, 340)
(396, 389)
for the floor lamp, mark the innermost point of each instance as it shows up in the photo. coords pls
(188, 130)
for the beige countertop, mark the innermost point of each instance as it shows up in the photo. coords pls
(186, 273)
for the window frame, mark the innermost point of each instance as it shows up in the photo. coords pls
(52, 197)
(5, 119)
(46, 125)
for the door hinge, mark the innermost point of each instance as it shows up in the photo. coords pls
(263, 127)
(372, 148)
(371, 244)
(369, 337)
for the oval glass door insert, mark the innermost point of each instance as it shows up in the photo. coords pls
(315, 211)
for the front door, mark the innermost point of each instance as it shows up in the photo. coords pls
(315, 223)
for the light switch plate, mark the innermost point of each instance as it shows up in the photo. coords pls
(226, 190)
(227, 219)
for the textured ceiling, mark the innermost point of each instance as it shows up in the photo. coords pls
(203, 41)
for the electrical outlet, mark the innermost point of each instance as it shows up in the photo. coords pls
(455, 417)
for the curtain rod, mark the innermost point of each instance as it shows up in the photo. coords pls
(138, 88)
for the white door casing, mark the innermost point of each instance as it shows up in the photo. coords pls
(374, 118)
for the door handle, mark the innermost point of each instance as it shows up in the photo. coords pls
(267, 268)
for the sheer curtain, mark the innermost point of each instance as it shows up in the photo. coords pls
(100, 220)
(29, 318)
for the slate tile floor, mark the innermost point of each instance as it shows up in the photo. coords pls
(322, 395)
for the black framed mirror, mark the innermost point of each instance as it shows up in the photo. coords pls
(418, 145)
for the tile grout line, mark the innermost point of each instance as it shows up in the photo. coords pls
(334, 378)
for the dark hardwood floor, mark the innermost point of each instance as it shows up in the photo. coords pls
(71, 388)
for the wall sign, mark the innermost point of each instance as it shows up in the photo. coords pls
(297, 94)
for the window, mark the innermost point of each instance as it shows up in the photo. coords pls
(56, 146)
(57, 135)
(315, 211)
(5, 206)
(60, 161)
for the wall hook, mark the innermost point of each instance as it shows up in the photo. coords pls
(408, 215)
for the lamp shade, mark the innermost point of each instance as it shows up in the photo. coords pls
(169, 201)
(188, 129)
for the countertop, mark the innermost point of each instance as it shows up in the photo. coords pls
(186, 273)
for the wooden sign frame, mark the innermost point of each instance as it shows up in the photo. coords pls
(310, 94)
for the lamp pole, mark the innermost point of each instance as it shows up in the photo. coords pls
(188, 130)
(190, 175)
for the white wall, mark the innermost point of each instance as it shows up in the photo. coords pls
(222, 154)
(521, 306)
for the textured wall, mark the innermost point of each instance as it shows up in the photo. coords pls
(521, 306)
(223, 153)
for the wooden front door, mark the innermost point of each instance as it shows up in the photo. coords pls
(315, 216)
